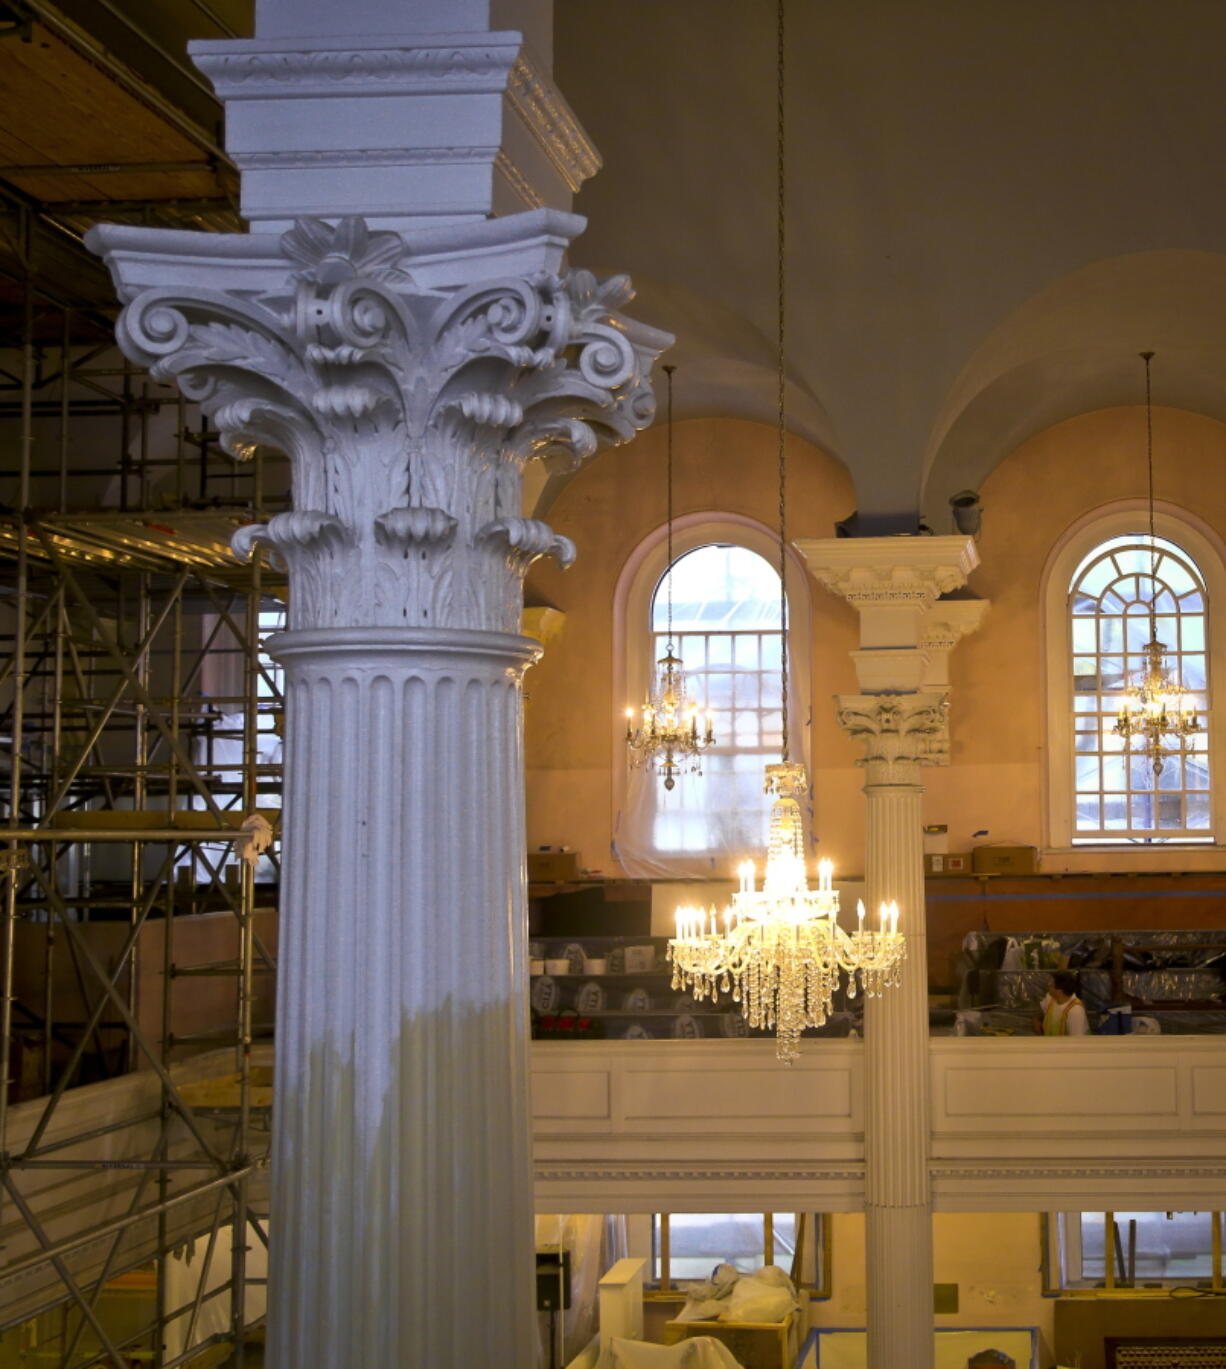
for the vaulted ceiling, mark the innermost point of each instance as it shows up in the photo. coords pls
(991, 207)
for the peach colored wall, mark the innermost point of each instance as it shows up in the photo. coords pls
(1030, 501)
(722, 465)
(609, 508)
(992, 1257)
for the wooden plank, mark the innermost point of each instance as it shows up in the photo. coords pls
(62, 110)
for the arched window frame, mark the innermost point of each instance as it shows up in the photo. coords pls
(1206, 548)
(634, 658)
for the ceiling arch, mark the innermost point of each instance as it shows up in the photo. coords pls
(1074, 348)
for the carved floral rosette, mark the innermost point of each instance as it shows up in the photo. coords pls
(407, 415)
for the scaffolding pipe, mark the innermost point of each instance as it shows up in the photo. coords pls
(15, 856)
(71, 1243)
(98, 693)
(174, 835)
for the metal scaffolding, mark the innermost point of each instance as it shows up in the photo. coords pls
(139, 723)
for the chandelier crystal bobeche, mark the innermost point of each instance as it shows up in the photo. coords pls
(780, 949)
(673, 733)
(1158, 715)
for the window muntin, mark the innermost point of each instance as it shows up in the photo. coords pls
(1142, 1248)
(687, 1246)
(727, 633)
(1110, 599)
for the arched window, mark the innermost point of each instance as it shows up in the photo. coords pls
(727, 632)
(1110, 591)
(1124, 591)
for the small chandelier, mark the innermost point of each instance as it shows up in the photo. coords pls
(1158, 715)
(671, 736)
(781, 950)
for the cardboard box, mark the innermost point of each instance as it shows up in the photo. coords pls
(552, 867)
(1005, 860)
(946, 864)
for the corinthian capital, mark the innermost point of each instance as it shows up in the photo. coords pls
(408, 377)
(897, 731)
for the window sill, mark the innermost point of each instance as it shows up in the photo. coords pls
(1172, 857)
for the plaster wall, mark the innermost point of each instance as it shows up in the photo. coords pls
(993, 1257)
(996, 780)
(575, 693)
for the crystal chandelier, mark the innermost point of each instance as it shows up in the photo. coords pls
(1158, 715)
(780, 949)
(672, 734)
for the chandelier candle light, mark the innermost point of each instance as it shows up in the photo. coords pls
(673, 734)
(1157, 714)
(780, 949)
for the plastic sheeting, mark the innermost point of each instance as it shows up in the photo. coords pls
(595, 1242)
(183, 1273)
(699, 1352)
(1011, 972)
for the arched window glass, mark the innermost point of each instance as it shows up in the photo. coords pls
(727, 630)
(1116, 591)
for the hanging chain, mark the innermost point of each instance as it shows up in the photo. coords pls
(780, 282)
(668, 371)
(1147, 357)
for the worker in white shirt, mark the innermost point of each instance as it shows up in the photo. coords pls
(1061, 1012)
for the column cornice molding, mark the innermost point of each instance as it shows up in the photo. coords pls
(552, 122)
(451, 63)
(949, 620)
(890, 570)
(443, 64)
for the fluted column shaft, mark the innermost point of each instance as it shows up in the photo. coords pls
(401, 1147)
(897, 1200)
(897, 1204)
(409, 388)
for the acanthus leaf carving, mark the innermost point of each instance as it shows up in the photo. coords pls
(302, 528)
(407, 412)
(528, 538)
(403, 527)
(896, 730)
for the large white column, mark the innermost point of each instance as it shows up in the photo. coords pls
(409, 376)
(900, 717)
(895, 730)
(410, 352)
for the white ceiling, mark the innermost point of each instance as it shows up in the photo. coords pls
(993, 206)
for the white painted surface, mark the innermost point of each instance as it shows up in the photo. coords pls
(407, 114)
(1157, 1132)
(408, 411)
